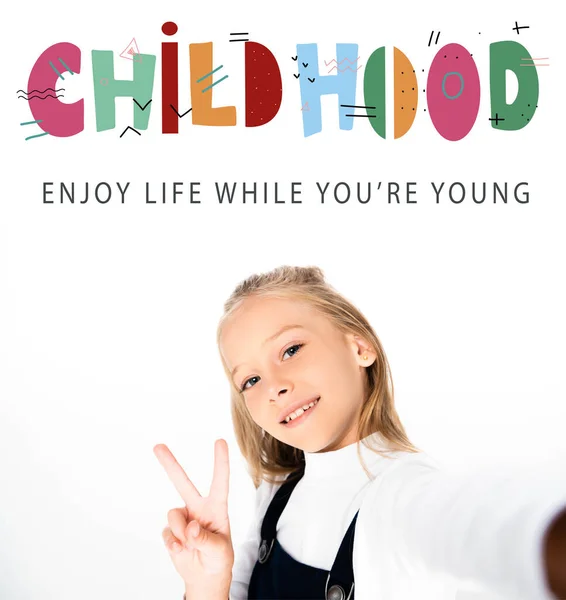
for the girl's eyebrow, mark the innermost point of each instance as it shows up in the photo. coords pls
(282, 330)
(270, 339)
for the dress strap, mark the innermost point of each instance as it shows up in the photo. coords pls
(274, 510)
(340, 580)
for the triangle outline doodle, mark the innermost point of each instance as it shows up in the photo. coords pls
(131, 49)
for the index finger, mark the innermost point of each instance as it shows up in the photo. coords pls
(176, 474)
(221, 476)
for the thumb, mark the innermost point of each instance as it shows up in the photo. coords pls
(197, 536)
(201, 539)
(193, 532)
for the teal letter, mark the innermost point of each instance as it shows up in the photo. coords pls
(107, 89)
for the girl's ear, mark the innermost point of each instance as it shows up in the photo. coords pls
(363, 351)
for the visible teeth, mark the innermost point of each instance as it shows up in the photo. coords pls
(299, 411)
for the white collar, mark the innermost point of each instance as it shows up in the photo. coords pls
(344, 462)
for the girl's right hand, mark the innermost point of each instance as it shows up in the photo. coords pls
(205, 561)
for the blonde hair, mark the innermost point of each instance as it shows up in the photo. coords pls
(269, 458)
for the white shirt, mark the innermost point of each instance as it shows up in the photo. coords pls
(423, 532)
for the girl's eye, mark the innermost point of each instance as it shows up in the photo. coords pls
(245, 386)
(293, 349)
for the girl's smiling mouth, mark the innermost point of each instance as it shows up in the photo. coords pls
(301, 414)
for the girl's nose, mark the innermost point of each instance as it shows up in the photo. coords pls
(278, 390)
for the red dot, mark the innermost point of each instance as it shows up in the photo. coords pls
(169, 28)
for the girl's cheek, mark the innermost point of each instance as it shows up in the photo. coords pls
(252, 407)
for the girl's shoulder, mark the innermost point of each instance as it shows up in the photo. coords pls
(414, 460)
(266, 491)
(401, 468)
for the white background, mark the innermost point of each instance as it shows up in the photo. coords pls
(108, 312)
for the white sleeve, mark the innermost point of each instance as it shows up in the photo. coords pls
(245, 555)
(484, 526)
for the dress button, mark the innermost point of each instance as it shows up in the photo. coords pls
(263, 551)
(335, 592)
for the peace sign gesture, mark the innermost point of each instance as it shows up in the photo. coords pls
(198, 534)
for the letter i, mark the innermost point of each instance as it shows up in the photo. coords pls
(169, 81)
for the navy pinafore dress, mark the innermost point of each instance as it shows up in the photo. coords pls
(278, 576)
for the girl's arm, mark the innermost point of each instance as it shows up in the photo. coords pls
(493, 527)
(555, 556)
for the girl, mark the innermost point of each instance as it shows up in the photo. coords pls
(346, 506)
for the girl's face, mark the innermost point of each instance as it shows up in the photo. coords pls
(282, 354)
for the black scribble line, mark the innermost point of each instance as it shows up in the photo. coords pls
(241, 33)
(128, 127)
(176, 111)
(40, 98)
(40, 92)
(142, 107)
